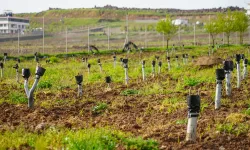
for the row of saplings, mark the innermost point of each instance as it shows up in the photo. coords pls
(193, 101)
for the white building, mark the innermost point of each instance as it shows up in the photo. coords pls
(178, 22)
(10, 25)
(248, 9)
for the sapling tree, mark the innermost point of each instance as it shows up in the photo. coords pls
(100, 64)
(220, 76)
(228, 67)
(194, 103)
(169, 66)
(241, 23)
(238, 58)
(213, 28)
(160, 65)
(114, 57)
(245, 68)
(30, 93)
(5, 57)
(1, 68)
(89, 66)
(227, 24)
(79, 79)
(143, 70)
(17, 72)
(177, 60)
(125, 65)
(108, 81)
(153, 67)
(166, 27)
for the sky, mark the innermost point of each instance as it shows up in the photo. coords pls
(21, 6)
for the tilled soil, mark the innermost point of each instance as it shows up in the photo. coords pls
(142, 115)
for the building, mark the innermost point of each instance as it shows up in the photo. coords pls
(11, 25)
(178, 22)
(248, 9)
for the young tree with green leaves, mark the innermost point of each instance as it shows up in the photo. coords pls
(166, 27)
(213, 29)
(227, 24)
(241, 23)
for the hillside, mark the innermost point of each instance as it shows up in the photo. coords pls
(56, 19)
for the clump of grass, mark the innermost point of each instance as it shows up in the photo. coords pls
(99, 108)
(54, 59)
(44, 84)
(191, 81)
(17, 98)
(183, 121)
(236, 129)
(236, 118)
(129, 92)
(247, 112)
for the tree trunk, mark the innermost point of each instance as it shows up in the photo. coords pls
(228, 39)
(167, 43)
(241, 38)
(213, 39)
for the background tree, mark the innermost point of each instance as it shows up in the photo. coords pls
(166, 27)
(227, 24)
(213, 29)
(241, 23)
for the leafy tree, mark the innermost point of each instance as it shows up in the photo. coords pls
(241, 23)
(227, 23)
(166, 27)
(213, 29)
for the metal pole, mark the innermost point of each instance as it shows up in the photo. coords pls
(88, 41)
(66, 40)
(18, 41)
(209, 33)
(127, 29)
(43, 35)
(194, 35)
(179, 33)
(145, 42)
(108, 37)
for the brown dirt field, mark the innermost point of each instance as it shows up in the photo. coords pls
(139, 114)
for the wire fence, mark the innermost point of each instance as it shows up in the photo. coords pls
(70, 40)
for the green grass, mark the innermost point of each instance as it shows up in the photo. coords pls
(94, 139)
(17, 98)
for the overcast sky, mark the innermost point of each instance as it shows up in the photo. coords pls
(19, 6)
